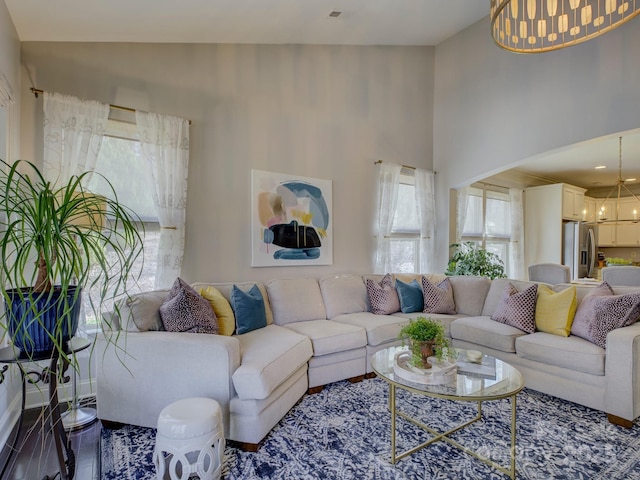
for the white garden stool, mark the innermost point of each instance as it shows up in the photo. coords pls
(191, 437)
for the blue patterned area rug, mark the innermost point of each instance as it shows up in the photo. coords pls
(344, 433)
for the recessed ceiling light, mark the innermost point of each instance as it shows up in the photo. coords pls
(600, 167)
(335, 13)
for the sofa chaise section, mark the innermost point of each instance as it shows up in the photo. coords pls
(339, 350)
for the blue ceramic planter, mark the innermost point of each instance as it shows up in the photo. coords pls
(35, 318)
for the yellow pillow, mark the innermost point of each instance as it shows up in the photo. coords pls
(555, 311)
(222, 309)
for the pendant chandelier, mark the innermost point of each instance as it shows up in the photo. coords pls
(616, 192)
(535, 26)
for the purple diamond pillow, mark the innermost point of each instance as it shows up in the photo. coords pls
(383, 296)
(601, 312)
(438, 298)
(185, 311)
(585, 314)
(517, 309)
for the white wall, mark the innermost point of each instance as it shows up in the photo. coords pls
(10, 68)
(493, 109)
(314, 111)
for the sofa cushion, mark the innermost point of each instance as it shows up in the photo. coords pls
(555, 311)
(141, 311)
(248, 309)
(383, 297)
(328, 336)
(343, 294)
(295, 300)
(486, 332)
(410, 295)
(269, 356)
(380, 328)
(469, 293)
(570, 352)
(443, 318)
(517, 308)
(438, 298)
(221, 307)
(185, 311)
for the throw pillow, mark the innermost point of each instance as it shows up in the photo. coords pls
(410, 295)
(383, 297)
(555, 311)
(585, 314)
(517, 309)
(600, 314)
(185, 311)
(222, 309)
(248, 308)
(438, 298)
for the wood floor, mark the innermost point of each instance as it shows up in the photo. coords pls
(37, 458)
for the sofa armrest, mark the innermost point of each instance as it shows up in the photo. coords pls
(622, 369)
(140, 373)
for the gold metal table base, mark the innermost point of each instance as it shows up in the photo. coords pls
(444, 436)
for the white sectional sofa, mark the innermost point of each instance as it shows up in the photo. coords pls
(322, 330)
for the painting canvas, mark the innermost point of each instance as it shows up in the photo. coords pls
(291, 220)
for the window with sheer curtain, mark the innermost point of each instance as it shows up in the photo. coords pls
(488, 222)
(121, 161)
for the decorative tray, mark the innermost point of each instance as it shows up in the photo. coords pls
(440, 373)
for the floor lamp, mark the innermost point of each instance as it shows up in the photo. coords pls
(77, 417)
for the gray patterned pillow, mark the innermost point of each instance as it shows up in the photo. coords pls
(585, 313)
(600, 314)
(383, 296)
(185, 311)
(517, 309)
(438, 298)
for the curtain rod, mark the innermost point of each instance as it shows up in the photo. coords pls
(378, 162)
(37, 92)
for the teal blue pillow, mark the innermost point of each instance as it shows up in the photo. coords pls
(248, 308)
(410, 294)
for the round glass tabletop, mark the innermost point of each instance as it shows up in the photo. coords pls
(492, 379)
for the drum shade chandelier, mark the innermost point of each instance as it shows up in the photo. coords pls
(535, 26)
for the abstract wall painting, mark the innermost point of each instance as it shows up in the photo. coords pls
(291, 220)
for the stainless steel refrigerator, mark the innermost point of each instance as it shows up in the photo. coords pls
(579, 249)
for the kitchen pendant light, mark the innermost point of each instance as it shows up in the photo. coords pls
(535, 26)
(605, 217)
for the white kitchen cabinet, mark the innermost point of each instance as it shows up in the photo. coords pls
(589, 212)
(572, 202)
(606, 235)
(627, 235)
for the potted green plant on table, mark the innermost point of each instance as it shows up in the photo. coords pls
(469, 259)
(56, 240)
(426, 338)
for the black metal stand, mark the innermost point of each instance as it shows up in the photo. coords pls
(58, 362)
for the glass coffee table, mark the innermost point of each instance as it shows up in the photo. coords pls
(493, 379)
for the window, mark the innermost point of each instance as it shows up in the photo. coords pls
(405, 233)
(488, 221)
(121, 162)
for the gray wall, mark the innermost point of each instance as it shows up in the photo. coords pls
(315, 111)
(493, 108)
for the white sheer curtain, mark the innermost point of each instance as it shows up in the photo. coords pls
(517, 263)
(388, 184)
(6, 92)
(461, 211)
(73, 131)
(165, 146)
(425, 200)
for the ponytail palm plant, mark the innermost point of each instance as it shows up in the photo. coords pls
(55, 241)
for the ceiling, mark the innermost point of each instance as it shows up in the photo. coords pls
(362, 22)
(576, 164)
